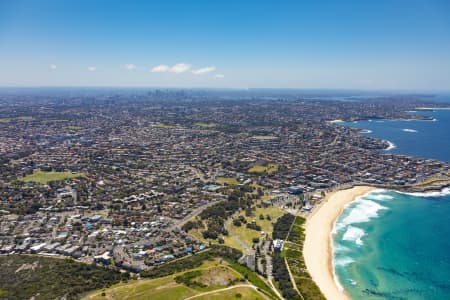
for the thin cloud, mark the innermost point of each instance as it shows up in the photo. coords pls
(203, 70)
(180, 68)
(160, 69)
(52, 67)
(130, 67)
(92, 68)
(219, 76)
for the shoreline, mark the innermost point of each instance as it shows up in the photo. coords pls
(317, 249)
(391, 145)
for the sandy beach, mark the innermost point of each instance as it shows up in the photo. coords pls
(317, 248)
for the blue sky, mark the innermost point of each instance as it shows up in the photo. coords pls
(392, 44)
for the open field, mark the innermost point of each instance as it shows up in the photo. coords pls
(245, 234)
(73, 127)
(5, 120)
(214, 274)
(162, 126)
(25, 118)
(265, 137)
(269, 169)
(205, 125)
(235, 293)
(45, 177)
(226, 180)
(157, 289)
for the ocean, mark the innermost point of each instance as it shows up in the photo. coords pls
(389, 245)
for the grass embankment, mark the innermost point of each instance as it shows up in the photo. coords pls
(31, 276)
(254, 279)
(260, 169)
(42, 177)
(293, 253)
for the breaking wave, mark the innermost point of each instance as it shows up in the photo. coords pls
(361, 213)
(343, 261)
(354, 234)
(391, 146)
(444, 192)
(379, 197)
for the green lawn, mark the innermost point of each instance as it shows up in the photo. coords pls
(25, 118)
(5, 120)
(254, 279)
(162, 126)
(74, 127)
(157, 289)
(244, 292)
(227, 180)
(212, 272)
(269, 169)
(45, 177)
(205, 125)
(265, 137)
(245, 234)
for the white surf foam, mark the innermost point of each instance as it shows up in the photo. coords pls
(361, 213)
(343, 261)
(391, 146)
(352, 282)
(409, 130)
(444, 192)
(366, 131)
(379, 197)
(340, 249)
(354, 234)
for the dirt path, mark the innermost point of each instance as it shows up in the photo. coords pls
(225, 289)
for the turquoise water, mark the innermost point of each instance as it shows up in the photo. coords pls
(389, 245)
(394, 246)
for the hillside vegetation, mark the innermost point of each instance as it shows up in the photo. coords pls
(27, 276)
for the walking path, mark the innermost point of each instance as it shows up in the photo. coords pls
(225, 289)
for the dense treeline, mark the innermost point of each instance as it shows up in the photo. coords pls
(215, 215)
(25, 276)
(191, 225)
(280, 272)
(192, 261)
(281, 275)
(282, 226)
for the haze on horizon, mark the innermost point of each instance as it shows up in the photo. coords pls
(385, 44)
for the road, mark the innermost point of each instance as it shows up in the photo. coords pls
(194, 213)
